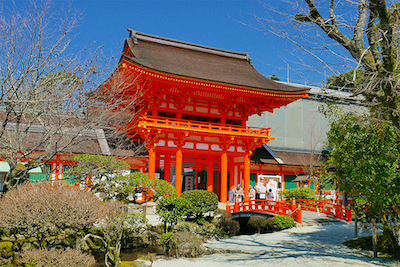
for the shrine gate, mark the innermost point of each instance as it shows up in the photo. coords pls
(189, 104)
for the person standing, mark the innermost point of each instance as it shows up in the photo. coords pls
(252, 193)
(261, 190)
(238, 193)
(230, 195)
(270, 195)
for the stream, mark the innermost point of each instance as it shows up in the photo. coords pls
(131, 254)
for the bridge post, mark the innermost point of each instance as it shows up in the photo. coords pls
(338, 211)
(236, 207)
(348, 213)
(293, 208)
(298, 219)
(293, 205)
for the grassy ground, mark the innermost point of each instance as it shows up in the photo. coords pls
(365, 243)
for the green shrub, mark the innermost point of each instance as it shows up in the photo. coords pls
(159, 228)
(206, 230)
(299, 193)
(166, 240)
(257, 222)
(226, 225)
(6, 250)
(188, 244)
(279, 222)
(170, 209)
(187, 226)
(202, 201)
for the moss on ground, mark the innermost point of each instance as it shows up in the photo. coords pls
(365, 243)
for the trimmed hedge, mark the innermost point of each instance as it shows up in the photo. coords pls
(202, 201)
(299, 193)
(257, 222)
(279, 222)
(226, 225)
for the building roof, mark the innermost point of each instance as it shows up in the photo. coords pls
(199, 62)
(264, 155)
(301, 178)
(94, 141)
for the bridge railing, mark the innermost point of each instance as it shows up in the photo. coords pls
(324, 206)
(270, 206)
(291, 208)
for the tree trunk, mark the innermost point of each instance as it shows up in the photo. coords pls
(355, 222)
(374, 238)
(393, 234)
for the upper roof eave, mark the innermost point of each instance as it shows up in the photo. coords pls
(135, 35)
(132, 61)
(227, 67)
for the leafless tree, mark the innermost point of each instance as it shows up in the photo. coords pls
(345, 35)
(32, 210)
(56, 257)
(313, 139)
(44, 105)
(360, 35)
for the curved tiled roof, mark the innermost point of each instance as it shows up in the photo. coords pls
(200, 62)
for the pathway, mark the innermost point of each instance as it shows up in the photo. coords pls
(317, 245)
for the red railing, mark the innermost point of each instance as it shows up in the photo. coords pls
(270, 206)
(291, 208)
(324, 206)
(156, 122)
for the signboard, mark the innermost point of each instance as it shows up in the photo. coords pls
(272, 187)
(267, 182)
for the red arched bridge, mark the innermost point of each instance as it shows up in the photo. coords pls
(290, 208)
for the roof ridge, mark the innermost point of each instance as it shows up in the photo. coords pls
(135, 35)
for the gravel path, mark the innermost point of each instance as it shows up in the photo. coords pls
(318, 245)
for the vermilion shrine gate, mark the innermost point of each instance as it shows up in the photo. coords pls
(190, 106)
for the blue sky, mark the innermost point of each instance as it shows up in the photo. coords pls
(215, 23)
(211, 23)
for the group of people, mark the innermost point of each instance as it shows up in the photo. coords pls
(259, 191)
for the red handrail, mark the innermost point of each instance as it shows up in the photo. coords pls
(150, 121)
(292, 208)
(270, 206)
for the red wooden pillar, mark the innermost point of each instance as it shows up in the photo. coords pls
(224, 177)
(178, 172)
(152, 163)
(167, 167)
(246, 177)
(231, 174)
(210, 174)
(282, 178)
(198, 171)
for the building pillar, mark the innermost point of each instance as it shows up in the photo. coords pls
(167, 167)
(224, 177)
(210, 174)
(178, 172)
(236, 174)
(152, 163)
(282, 178)
(231, 174)
(246, 173)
